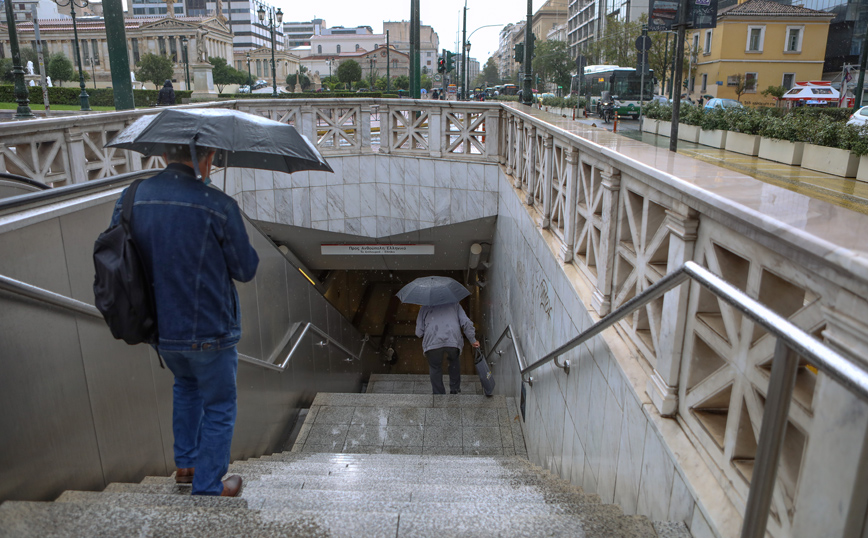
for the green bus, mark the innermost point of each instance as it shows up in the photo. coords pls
(622, 82)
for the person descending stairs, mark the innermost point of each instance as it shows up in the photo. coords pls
(392, 462)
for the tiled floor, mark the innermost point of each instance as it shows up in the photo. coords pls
(373, 423)
(417, 384)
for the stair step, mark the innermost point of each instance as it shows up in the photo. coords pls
(589, 526)
(671, 529)
(158, 489)
(484, 508)
(336, 399)
(150, 499)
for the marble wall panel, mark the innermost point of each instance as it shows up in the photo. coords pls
(353, 226)
(301, 207)
(283, 206)
(319, 203)
(397, 202)
(411, 171)
(367, 169)
(458, 205)
(442, 174)
(351, 170)
(631, 449)
(383, 170)
(263, 179)
(282, 181)
(368, 200)
(248, 202)
(427, 204)
(681, 503)
(609, 455)
(427, 173)
(476, 177)
(658, 473)
(442, 205)
(396, 172)
(300, 179)
(335, 202)
(336, 225)
(369, 226)
(384, 200)
(458, 175)
(473, 205)
(411, 207)
(352, 201)
(248, 179)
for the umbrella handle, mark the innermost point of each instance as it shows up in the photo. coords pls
(193, 156)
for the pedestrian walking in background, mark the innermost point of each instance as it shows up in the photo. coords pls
(166, 96)
(440, 328)
(193, 244)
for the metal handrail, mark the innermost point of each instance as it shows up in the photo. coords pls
(792, 341)
(51, 298)
(507, 333)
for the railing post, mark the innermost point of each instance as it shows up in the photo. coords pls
(548, 174)
(519, 163)
(785, 365)
(492, 134)
(503, 138)
(436, 135)
(529, 166)
(365, 126)
(510, 145)
(602, 298)
(77, 162)
(307, 123)
(385, 112)
(662, 387)
(570, 205)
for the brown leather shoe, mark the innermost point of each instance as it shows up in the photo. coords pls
(184, 476)
(231, 486)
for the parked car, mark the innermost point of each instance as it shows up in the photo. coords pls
(244, 89)
(660, 99)
(260, 84)
(717, 102)
(860, 117)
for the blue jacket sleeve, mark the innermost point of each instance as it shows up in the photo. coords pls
(240, 256)
(116, 213)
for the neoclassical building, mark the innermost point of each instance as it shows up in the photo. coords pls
(206, 37)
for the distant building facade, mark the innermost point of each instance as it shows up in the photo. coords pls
(429, 42)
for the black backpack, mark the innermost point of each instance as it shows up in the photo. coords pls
(121, 287)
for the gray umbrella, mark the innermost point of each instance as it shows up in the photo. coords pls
(432, 291)
(246, 140)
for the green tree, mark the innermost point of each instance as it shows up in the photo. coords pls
(6, 70)
(291, 80)
(553, 63)
(223, 73)
(742, 85)
(60, 68)
(155, 69)
(28, 54)
(349, 71)
(489, 75)
(426, 82)
(402, 82)
(775, 91)
(380, 83)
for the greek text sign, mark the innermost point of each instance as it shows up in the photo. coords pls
(376, 250)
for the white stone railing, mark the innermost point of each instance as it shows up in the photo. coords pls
(623, 218)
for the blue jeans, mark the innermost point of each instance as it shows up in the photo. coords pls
(203, 413)
(435, 368)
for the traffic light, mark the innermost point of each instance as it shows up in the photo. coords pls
(441, 65)
(450, 61)
(519, 52)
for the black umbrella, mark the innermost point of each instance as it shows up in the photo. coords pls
(242, 140)
(432, 291)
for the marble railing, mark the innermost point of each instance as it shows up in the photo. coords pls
(61, 151)
(623, 215)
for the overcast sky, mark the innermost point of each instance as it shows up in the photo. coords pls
(443, 15)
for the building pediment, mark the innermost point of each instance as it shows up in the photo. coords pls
(170, 23)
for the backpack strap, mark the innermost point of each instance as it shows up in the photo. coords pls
(127, 204)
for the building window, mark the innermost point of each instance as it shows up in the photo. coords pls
(707, 49)
(84, 54)
(94, 47)
(750, 82)
(238, 65)
(695, 50)
(755, 36)
(162, 45)
(794, 39)
(135, 46)
(789, 80)
(704, 83)
(339, 49)
(319, 49)
(357, 46)
(173, 49)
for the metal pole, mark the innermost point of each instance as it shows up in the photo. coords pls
(40, 57)
(443, 80)
(273, 70)
(21, 93)
(187, 65)
(679, 65)
(527, 91)
(85, 103)
(119, 60)
(665, 65)
(860, 81)
(464, 56)
(415, 66)
(250, 76)
(672, 69)
(388, 61)
(785, 366)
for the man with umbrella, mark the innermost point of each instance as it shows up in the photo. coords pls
(440, 323)
(193, 244)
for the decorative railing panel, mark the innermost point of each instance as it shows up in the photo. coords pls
(409, 130)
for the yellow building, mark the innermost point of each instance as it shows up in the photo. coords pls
(773, 44)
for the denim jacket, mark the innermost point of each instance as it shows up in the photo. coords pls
(193, 243)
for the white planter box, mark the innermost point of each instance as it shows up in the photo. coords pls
(664, 128)
(834, 161)
(862, 174)
(742, 143)
(715, 138)
(688, 133)
(650, 126)
(781, 151)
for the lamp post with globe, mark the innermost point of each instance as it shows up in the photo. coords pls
(85, 102)
(275, 19)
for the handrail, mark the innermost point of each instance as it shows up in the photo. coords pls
(507, 333)
(792, 341)
(51, 298)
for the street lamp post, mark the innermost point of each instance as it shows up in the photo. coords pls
(21, 93)
(249, 75)
(274, 19)
(85, 103)
(186, 63)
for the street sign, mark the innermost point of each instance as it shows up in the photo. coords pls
(643, 43)
(437, 77)
(663, 14)
(642, 62)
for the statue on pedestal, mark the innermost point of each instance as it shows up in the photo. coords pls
(30, 68)
(317, 82)
(170, 8)
(201, 50)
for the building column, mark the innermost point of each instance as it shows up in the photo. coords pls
(572, 187)
(602, 297)
(529, 165)
(548, 174)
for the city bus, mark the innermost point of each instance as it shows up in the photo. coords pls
(622, 82)
(509, 89)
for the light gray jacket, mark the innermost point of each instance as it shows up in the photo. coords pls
(441, 326)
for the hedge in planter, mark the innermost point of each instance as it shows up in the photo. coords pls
(96, 97)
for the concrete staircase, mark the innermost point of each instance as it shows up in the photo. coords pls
(381, 464)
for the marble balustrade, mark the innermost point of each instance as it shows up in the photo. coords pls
(660, 414)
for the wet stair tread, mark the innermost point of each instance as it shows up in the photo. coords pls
(150, 499)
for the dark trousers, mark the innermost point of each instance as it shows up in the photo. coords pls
(435, 368)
